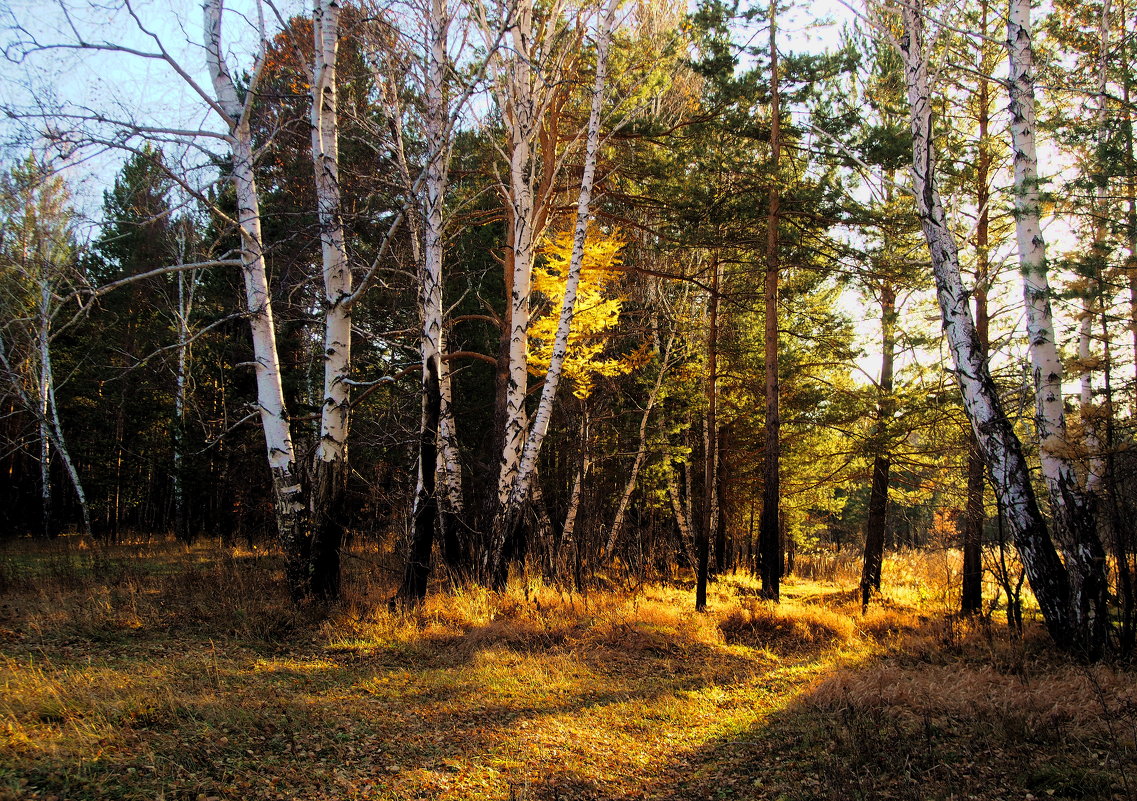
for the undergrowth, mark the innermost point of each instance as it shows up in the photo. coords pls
(151, 670)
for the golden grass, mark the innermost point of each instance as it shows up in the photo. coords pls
(156, 671)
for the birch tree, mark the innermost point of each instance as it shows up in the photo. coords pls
(1072, 510)
(330, 467)
(521, 440)
(36, 254)
(1001, 448)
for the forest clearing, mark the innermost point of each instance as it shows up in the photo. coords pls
(159, 671)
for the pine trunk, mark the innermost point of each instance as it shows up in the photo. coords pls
(710, 424)
(877, 522)
(769, 522)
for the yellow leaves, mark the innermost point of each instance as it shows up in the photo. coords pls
(597, 310)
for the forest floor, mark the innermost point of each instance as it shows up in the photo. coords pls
(152, 671)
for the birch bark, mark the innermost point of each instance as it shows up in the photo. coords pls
(1001, 448)
(1073, 513)
(181, 387)
(971, 597)
(426, 516)
(522, 440)
(330, 467)
(43, 342)
(288, 506)
(520, 109)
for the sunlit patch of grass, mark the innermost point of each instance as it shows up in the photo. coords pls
(786, 626)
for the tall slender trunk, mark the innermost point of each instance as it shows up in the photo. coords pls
(1072, 510)
(330, 465)
(769, 523)
(1002, 451)
(288, 507)
(710, 424)
(437, 121)
(521, 113)
(723, 558)
(181, 379)
(641, 451)
(1130, 193)
(568, 531)
(516, 492)
(1092, 297)
(452, 503)
(877, 521)
(972, 589)
(57, 438)
(430, 303)
(43, 342)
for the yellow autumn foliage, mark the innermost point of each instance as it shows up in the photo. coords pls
(597, 309)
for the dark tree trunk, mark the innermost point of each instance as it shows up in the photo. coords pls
(329, 488)
(704, 530)
(877, 522)
(769, 523)
(417, 572)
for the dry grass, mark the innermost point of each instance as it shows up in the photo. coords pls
(154, 671)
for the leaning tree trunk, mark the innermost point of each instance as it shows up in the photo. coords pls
(288, 506)
(641, 454)
(1072, 510)
(1002, 451)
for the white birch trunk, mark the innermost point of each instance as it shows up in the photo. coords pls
(181, 376)
(1074, 522)
(56, 430)
(44, 382)
(431, 343)
(270, 394)
(334, 417)
(330, 468)
(543, 415)
(521, 117)
(1047, 366)
(1095, 461)
(1001, 448)
(448, 442)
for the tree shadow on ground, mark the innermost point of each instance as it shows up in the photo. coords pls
(948, 721)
